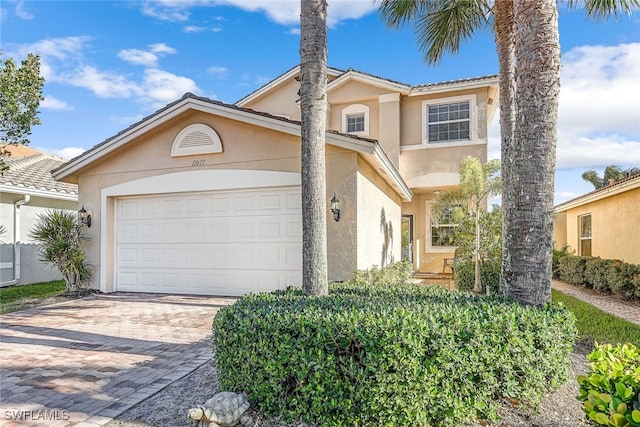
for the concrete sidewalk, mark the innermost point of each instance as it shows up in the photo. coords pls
(82, 362)
(609, 304)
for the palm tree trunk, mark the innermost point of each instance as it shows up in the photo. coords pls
(529, 184)
(313, 104)
(504, 33)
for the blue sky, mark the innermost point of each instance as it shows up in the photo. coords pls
(109, 64)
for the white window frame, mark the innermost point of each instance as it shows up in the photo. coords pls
(582, 238)
(473, 124)
(355, 109)
(428, 246)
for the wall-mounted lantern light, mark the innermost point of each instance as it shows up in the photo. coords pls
(85, 218)
(335, 207)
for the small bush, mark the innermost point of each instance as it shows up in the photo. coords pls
(397, 273)
(557, 255)
(623, 278)
(571, 269)
(464, 276)
(595, 273)
(610, 392)
(389, 355)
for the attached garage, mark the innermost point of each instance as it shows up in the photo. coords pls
(204, 198)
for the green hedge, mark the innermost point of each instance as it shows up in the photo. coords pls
(389, 355)
(605, 275)
(610, 392)
(464, 275)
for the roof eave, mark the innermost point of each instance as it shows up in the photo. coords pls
(37, 192)
(598, 195)
(455, 85)
(278, 81)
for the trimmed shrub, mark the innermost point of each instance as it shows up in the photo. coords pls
(623, 279)
(389, 355)
(610, 392)
(557, 254)
(571, 269)
(595, 273)
(604, 275)
(464, 276)
(397, 273)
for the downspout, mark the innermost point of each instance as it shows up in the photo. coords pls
(16, 241)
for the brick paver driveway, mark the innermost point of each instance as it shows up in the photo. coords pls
(83, 362)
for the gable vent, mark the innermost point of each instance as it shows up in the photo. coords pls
(196, 139)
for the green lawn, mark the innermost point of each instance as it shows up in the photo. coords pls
(12, 297)
(598, 326)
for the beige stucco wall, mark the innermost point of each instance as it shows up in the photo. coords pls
(560, 229)
(335, 117)
(280, 101)
(615, 225)
(379, 240)
(411, 110)
(437, 167)
(246, 147)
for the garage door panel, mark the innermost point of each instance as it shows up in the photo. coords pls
(219, 243)
(206, 281)
(221, 229)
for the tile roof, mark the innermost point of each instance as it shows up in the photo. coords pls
(454, 82)
(31, 170)
(601, 189)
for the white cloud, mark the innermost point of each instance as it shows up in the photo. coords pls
(140, 57)
(599, 110)
(285, 12)
(103, 84)
(66, 153)
(294, 31)
(200, 29)
(600, 89)
(163, 87)
(22, 13)
(147, 58)
(161, 48)
(51, 103)
(218, 71)
(171, 10)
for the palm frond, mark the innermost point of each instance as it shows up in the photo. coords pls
(445, 27)
(603, 9)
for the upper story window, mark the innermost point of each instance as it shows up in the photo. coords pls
(355, 123)
(449, 120)
(355, 119)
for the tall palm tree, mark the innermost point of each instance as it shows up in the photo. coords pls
(313, 105)
(441, 26)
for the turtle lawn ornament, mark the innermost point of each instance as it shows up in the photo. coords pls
(225, 409)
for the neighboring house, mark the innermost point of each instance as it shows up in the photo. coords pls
(27, 189)
(204, 197)
(603, 223)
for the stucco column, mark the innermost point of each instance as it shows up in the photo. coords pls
(389, 125)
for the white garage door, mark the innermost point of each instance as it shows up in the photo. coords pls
(217, 243)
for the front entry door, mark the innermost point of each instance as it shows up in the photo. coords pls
(406, 230)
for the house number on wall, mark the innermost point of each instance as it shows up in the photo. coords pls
(198, 162)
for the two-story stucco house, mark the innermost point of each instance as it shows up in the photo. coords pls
(203, 197)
